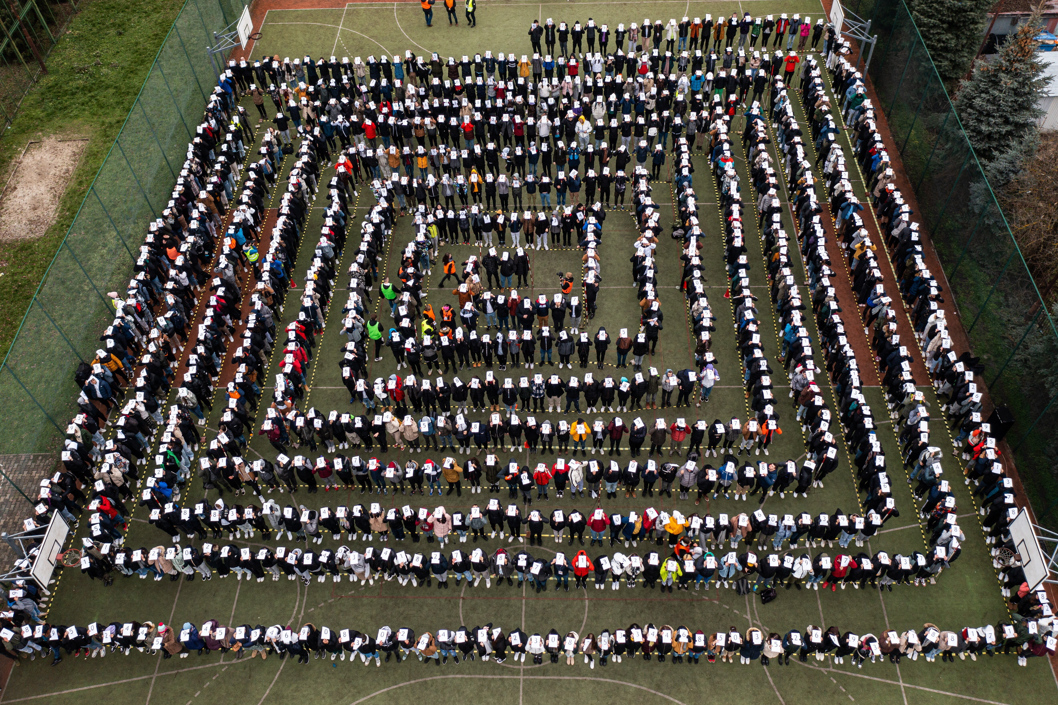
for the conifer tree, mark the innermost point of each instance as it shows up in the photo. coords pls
(951, 30)
(999, 104)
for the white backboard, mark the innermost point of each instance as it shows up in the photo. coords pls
(245, 26)
(50, 548)
(1026, 545)
(837, 15)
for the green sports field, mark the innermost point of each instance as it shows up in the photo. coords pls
(966, 595)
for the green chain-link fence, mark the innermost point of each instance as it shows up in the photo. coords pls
(1000, 305)
(70, 309)
(1006, 318)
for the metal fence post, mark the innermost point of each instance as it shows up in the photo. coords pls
(966, 247)
(189, 63)
(991, 292)
(136, 178)
(104, 299)
(113, 224)
(914, 120)
(190, 135)
(17, 489)
(933, 151)
(889, 40)
(954, 183)
(896, 93)
(207, 35)
(58, 428)
(1028, 329)
(1028, 431)
(57, 328)
(158, 142)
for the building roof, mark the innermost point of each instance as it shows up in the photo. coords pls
(1023, 7)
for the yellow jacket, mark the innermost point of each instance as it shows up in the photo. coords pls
(674, 527)
(451, 474)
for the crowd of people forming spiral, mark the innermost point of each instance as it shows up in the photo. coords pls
(477, 131)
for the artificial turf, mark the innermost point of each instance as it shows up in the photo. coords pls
(967, 594)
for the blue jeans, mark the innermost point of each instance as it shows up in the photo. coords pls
(578, 444)
(505, 283)
(545, 200)
(561, 198)
(490, 319)
(575, 403)
(682, 44)
(728, 571)
(596, 535)
(547, 354)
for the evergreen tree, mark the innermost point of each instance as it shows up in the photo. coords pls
(998, 104)
(951, 30)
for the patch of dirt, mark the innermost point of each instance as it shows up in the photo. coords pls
(31, 198)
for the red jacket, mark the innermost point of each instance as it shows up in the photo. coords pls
(542, 476)
(582, 564)
(598, 524)
(678, 433)
(838, 571)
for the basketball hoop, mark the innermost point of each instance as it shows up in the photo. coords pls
(70, 558)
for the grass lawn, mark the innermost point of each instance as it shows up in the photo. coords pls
(965, 595)
(94, 74)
